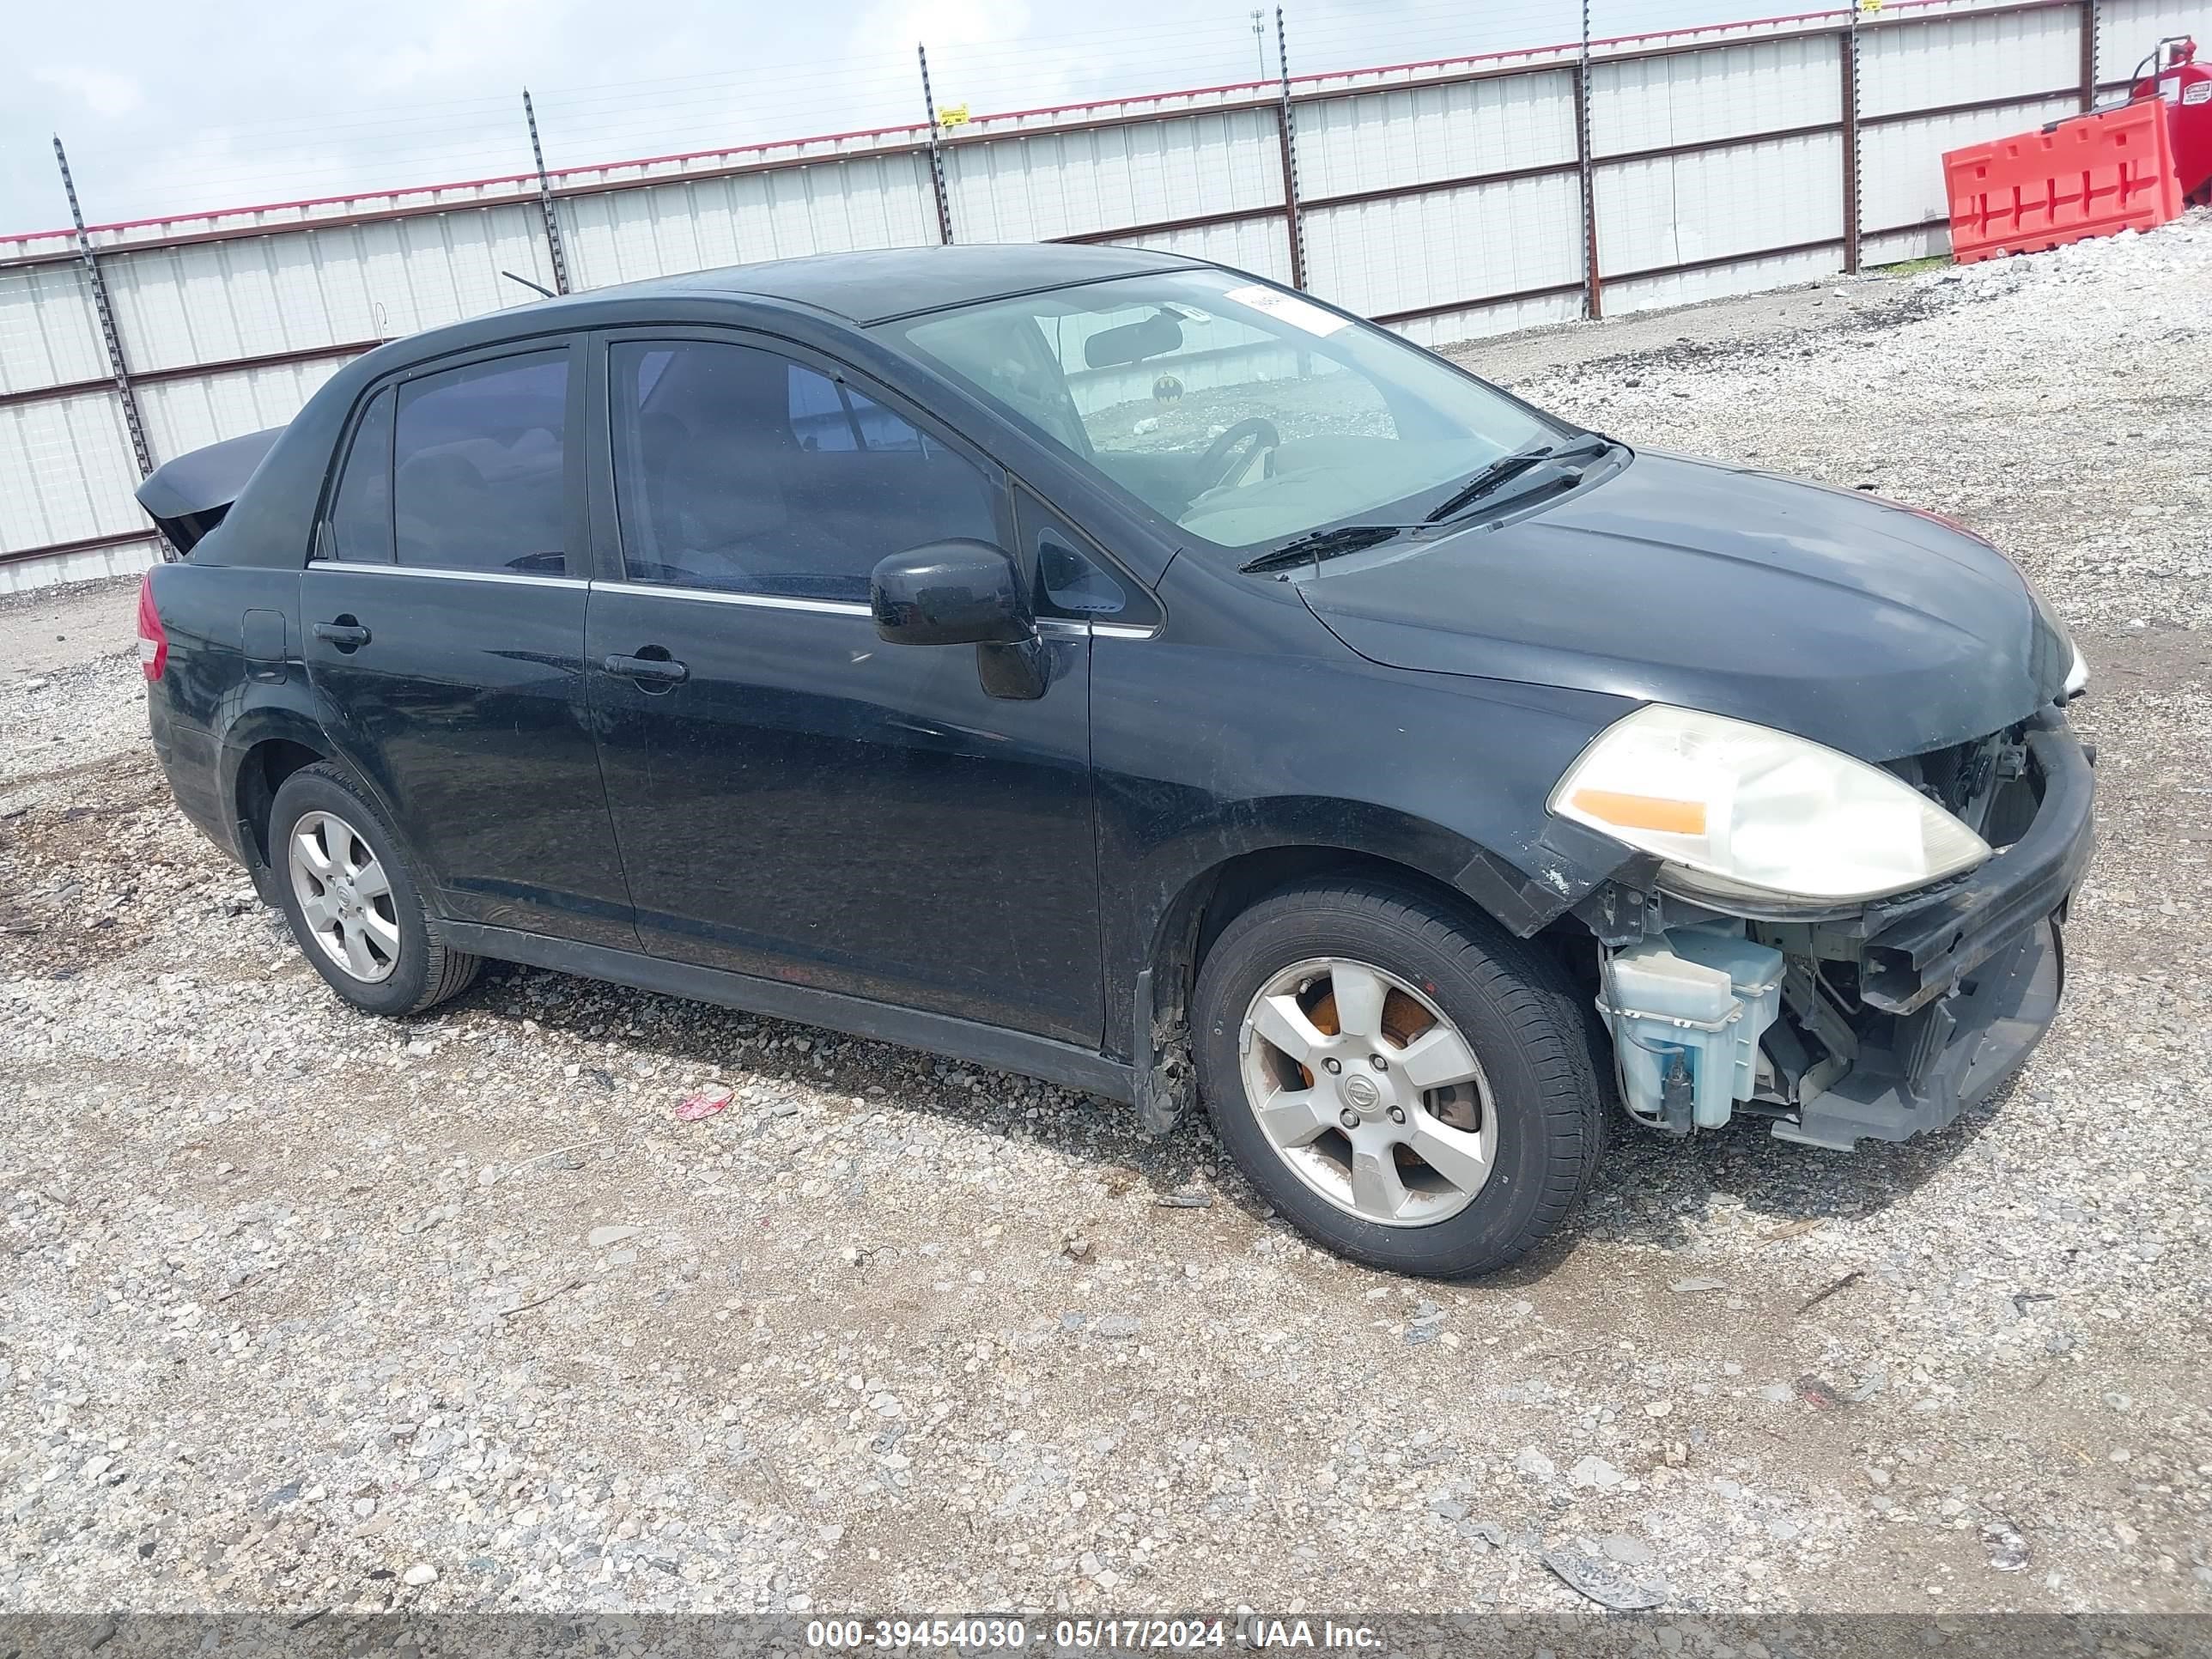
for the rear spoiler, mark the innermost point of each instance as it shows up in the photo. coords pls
(188, 496)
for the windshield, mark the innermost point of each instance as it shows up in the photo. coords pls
(1243, 413)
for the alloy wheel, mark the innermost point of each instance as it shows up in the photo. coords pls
(345, 896)
(1368, 1093)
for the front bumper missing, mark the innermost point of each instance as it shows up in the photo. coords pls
(1957, 991)
(1948, 1055)
(1922, 954)
(1898, 1015)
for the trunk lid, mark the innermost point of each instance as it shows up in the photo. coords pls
(188, 495)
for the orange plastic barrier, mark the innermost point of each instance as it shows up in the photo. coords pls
(2087, 177)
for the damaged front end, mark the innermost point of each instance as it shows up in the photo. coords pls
(1881, 1019)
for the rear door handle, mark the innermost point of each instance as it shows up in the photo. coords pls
(660, 671)
(345, 632)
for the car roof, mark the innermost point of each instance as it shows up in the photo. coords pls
(874, 285)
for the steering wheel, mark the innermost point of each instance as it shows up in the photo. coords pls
(1214, 466)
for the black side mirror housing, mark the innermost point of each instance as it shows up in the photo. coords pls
(951, 592)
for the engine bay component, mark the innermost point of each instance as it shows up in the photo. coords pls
(1687, 1009)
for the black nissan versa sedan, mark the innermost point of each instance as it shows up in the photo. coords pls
(1122, 670)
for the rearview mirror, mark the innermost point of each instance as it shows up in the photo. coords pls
(951, 592)
(1132, 342)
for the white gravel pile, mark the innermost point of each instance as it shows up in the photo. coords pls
(303, 1309)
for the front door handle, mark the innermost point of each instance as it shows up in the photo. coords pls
(656, 671)
(345, 632)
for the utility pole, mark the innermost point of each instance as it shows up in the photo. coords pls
(1286, 129)
(545, 200)
(936, 153)
(1259, 39)
(108, 333)
(1593, 285)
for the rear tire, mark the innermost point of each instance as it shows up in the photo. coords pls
(354, 900)
(1388, 992)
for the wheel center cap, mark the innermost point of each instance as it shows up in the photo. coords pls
(1360, 1092)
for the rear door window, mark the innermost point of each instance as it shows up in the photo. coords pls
(479, 467)
(360, 514)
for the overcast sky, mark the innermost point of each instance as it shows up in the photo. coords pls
(169, 108)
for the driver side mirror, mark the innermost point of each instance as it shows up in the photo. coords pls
(952, 592)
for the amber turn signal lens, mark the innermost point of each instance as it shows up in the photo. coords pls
(1673, 817)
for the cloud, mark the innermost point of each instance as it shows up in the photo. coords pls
(102, 91)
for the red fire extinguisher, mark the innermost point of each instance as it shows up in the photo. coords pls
(2172, 76)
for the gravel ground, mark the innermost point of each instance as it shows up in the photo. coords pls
(303, 1309)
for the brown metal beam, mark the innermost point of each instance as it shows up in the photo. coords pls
(1718, 260)
(1165, 227)
(1975, 107)
(191, 371)
(1704, 146)
(1557, 291)
(1431, 186)
(89, 544)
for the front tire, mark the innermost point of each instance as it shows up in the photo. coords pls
(1409, 1085)
(353, 900)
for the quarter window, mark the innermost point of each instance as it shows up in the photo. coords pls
(478, 473)
(739, 470)
(361, 515)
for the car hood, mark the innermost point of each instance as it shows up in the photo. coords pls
(1858, 623)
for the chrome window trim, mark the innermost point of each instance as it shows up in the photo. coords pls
(1121, 631)
(760, 601)
(515, 577)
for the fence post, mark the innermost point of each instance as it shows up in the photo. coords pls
(545, 200)
(1592, 286)
(2092, 26)
(1286, 131)
(109, 335)
(1849, 41)
(936, 154)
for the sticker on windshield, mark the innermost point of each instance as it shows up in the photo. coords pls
(1289, 308)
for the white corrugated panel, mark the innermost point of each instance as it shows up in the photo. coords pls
(1651, 103)
(66, 472)
(628, 235)
(1743, 277)
(184, 415)
(89, 565)
(1034, 188)
(2128, 29)
(1679, 209)
(1479, 322)
(1410, 135)
(213, 301)
(49, 332)
(1965, 60)
(1261, 245)
(1901, 165)
(1446, 247)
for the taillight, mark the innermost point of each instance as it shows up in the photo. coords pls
(153, 638)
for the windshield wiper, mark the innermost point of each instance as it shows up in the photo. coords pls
(1508, 467)
(1323, 545)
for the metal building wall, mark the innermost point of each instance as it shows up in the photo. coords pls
(1706, 161)
(2128, 29)
(1460, 201)
(1046, 187)
(1446, 199)
(2013, 69)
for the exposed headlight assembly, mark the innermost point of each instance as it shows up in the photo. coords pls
(1739, 811)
